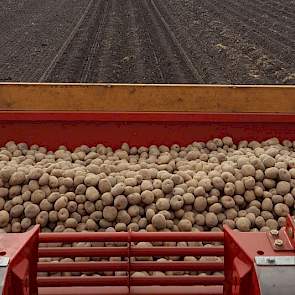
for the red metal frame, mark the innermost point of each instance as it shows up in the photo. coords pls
(112, 129)
(239, 251)
(130, 251)
(23, 257)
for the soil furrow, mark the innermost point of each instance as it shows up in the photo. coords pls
(71, 61)
(253, 34)
(266, 26)
(148, 41)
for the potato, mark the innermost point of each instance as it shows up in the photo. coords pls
(282, 221)
(229, 223)
(215, 208)
(63, 214)
(163, 204)
(118, 189)
(249, 182)
(289, 200)
(91, 179)
(37, 196)
(227, 202)
(243, 224)
(218, 183)
(132, 227)
(4, 218)
(42, 218)
(167, 185)
(120, 202)
(16, 211)
(31, 211)
(123, 217)
(185, 225)
(91, 225)
(281, 210)
(120, 227)
(89, 207)
(277, 199)
(159, 221)
(272, 224)
(3, 192)
(283, 187)
(110, 213)
(176, 202)
(248, 170)
(267, 204)
(17, 178)
(43, 179)
(239, 187)
(200, 204)
(211, 219)
(26, 223)
(146, 185)
(92, 194)
(16, 227)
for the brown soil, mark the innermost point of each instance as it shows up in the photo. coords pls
(148, 41)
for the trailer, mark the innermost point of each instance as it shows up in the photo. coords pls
(142, 115)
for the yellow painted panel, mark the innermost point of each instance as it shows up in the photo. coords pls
(146, 98)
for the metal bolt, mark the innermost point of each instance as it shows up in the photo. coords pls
(274, 232)
(278, 242)
(271, 260)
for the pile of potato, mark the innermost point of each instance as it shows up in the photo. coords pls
(200, 187)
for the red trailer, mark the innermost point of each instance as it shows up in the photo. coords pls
(71, 115)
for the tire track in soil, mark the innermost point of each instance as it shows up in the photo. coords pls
(247, 31)
(23, 30)
(269, 15)
(70, 62)
(224, 45)
(203, 57)
(174, 62)
(125, 55)
(275, 4)
(251, 16)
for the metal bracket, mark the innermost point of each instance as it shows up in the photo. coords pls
(279, 240)
(275, 260)
(4, 261)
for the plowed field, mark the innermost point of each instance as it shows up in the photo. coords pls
(148, 41)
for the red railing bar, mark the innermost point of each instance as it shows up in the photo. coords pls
(134, 266)
(86, 290)
(83, 252)
(123, 281)
(176, 265)
(138, 290)
(123, 251)
(69, 237)
(176, 251)
(176, 236)
(176, 290)
(82, 266)
(177, 280)
(132, 236)
(82, 281)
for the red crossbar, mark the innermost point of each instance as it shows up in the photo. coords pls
(131, 266)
